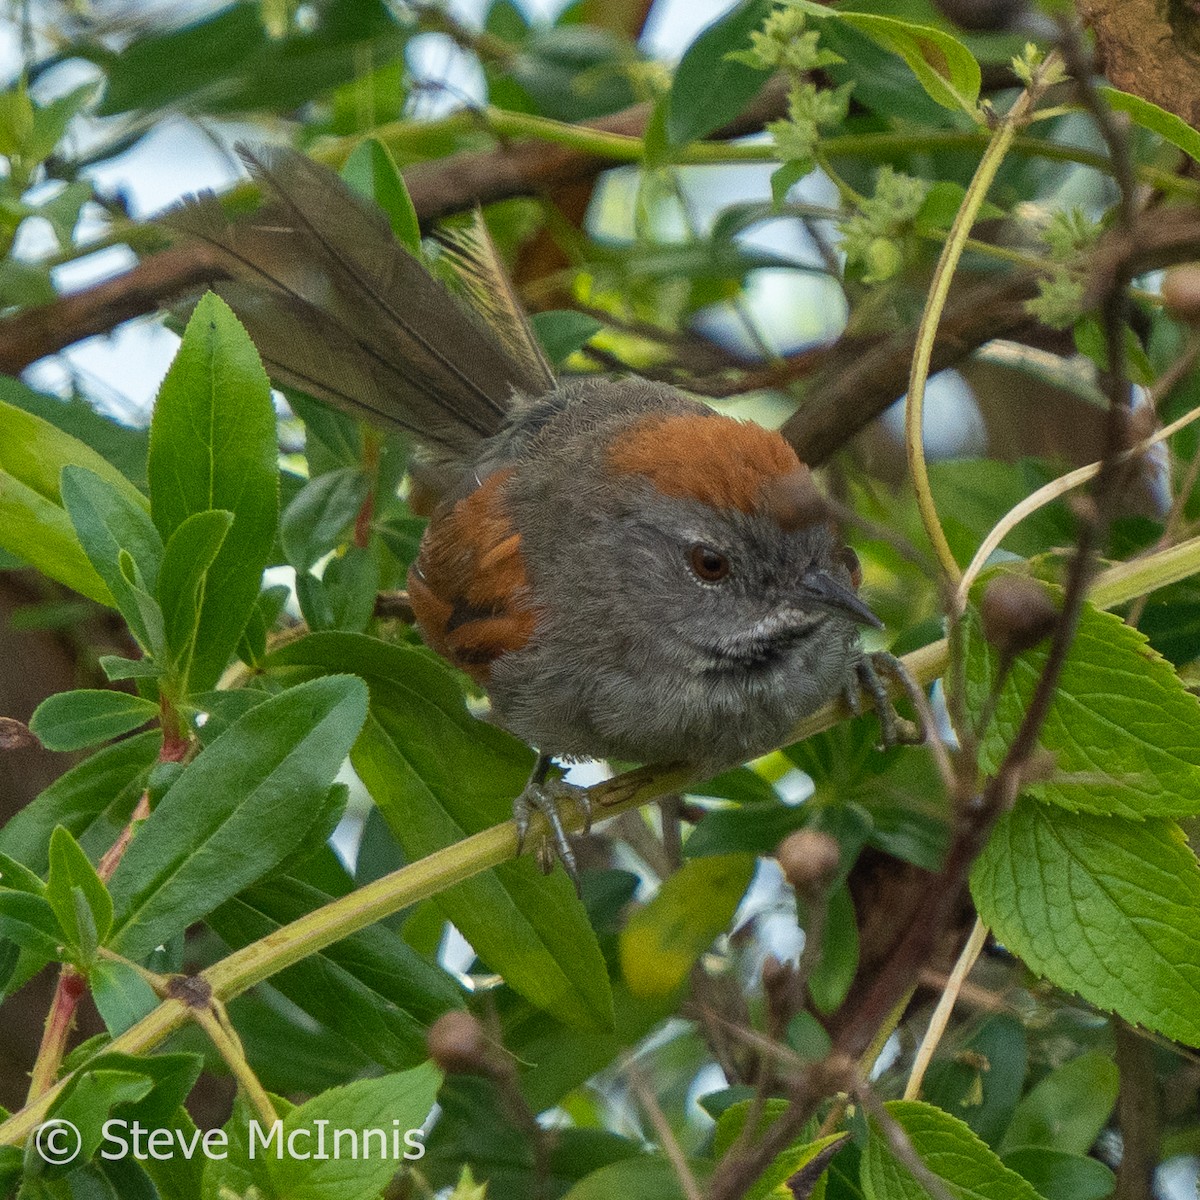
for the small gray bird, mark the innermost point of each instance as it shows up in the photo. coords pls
(627, 573)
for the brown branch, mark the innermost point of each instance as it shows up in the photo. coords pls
(860, 376)
(438, 189)
(154, 282)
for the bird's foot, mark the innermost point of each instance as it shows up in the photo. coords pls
(894, 730)
(548, 796)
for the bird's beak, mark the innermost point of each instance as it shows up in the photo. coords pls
(837, 595)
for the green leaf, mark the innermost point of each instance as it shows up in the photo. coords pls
(801, 1153)
(89, 1098)
(371, 172)
(1057, 1175)
(29, 921)
(320, 515)
(252, 648)
(438, 774)
(371, 988)
(1100, 906)
(981, 1084)
(50, 121)
(236, 811)
(183, 581)
(17, 877)
(944, 67)
(212, 446)
(709, 89)
(112, 776)
(121, 994)
(1149, 116)
(351, 583)
(562, 332)
(833, 975)
(662, 941)
(646, 1177)
(117, 668)
(949, 1149)
(73, 878)
(1068, 1109)
(390, 1105)
(72, 720)
(1124, 731)
(33, 522)
(120, 446)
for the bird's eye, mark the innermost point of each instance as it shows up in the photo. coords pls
(708, 564)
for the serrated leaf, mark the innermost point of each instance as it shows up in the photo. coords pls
(1149, 116)
(951, 1152)
(73, 720)
(662, 941)
(71, 873)
(438, 774)
(1124, 731)
(709, 89)
(237, 810)
(371, 172)
(398, 1102)
(1101, 906)
(213, 446)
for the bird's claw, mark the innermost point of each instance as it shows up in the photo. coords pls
(547, 796)
(894, 730)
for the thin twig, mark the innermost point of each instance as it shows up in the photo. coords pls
(662, 1128)
(945, 1006)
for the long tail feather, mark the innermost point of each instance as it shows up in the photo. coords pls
(342, 310)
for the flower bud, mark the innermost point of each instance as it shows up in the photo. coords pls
(458, 1045)
(809, 859)
(1181, 293)
(1017, 613)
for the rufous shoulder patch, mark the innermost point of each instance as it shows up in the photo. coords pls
(720, 461)
(468, 586)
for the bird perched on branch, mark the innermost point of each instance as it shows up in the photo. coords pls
(627, 573)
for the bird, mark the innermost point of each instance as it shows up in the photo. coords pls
(627, 573)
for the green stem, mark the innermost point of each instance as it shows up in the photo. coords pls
(627, 148)
(438, 871)
(939, 289)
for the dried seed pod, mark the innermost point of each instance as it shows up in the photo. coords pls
(809, 859)
(459, 1046)
(1181, 293)
(1017, 613)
